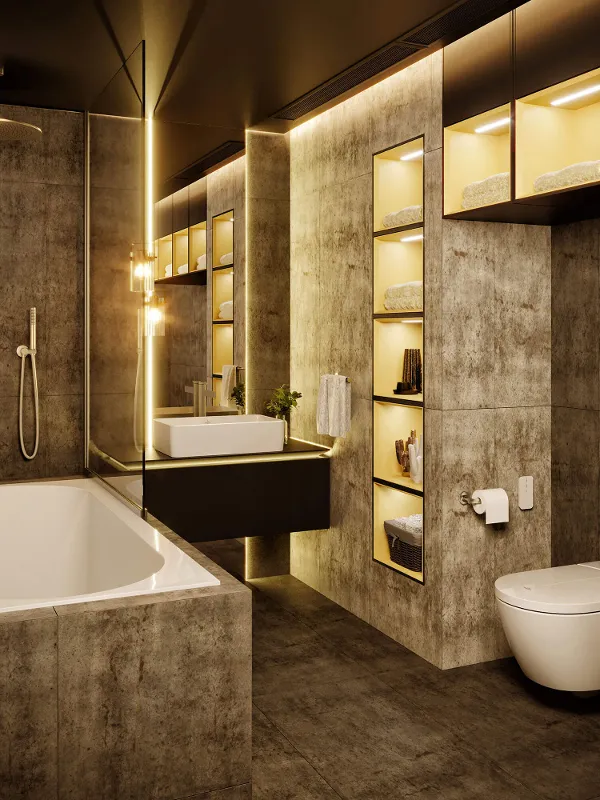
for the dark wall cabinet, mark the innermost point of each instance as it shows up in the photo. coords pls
(555, 40)
(521, 112)
(478, 71)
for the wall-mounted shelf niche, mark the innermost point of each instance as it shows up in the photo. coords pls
(398, 319)
(557, 142)
(390, 503)
(180, 252)
(222, 279)
(164, 257)
(477, 162)
(194, 278)
(197, 247)
(398, 186)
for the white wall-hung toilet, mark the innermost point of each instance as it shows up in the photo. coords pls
(551, 618)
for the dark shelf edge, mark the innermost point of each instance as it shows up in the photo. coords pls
(400, 229)
(217, 374)
(399, 487)
(196, 277)
(225, 266)
(381, 399)
(402, 571)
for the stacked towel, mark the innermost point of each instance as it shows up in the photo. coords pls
(226, 259)
(584, 172)
(183, 269)
(404, 297)
(334, 405)
(227, 384)
(407, 529)
(406, 216)
(201, 262)
(226, 310)
(495, 189)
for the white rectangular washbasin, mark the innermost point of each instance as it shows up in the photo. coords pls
(189, 437)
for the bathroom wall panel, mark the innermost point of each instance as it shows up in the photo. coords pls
(28, 724)
(268, 266)
(41, 265)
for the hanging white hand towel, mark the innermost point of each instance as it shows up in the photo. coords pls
(323, 405)
(340, 400)
(227, 384)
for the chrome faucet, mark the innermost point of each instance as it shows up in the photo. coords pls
(201, 395)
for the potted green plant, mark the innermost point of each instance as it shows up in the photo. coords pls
(282, 401)
(239, 395)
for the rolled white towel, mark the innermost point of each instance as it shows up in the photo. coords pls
(226, 310)
(201, 262)
(495, 189)
(404, 297)
(226, 259)
(183, 269)
(406, 216)
(573, 175)
(169, 271)
(227, 384)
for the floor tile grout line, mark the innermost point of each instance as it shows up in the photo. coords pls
(300, 753)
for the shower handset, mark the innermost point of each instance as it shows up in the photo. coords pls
(23, 351)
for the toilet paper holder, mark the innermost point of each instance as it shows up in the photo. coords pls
(467, 500)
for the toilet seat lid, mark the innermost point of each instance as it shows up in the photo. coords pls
(558, 590)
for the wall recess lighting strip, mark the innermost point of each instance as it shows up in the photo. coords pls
(569, 98)
(416, 238)
(149, 343)
(492, 126)
(412, 156)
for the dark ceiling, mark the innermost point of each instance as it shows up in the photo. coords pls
(213, 67)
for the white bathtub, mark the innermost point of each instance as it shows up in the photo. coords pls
(72, 542)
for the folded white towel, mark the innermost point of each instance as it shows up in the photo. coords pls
(227, 384)
(573, 175)
(406, 216)
(226, 259)
(169, 271)
(334, 405)
(495, 189)
(201, 262)
(404, 297)
(182, 269)
(226, 310)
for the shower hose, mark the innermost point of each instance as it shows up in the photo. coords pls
(23, 352)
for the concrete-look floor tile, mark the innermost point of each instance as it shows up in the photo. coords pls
(273, 756)
(370, 742)
(300, 599)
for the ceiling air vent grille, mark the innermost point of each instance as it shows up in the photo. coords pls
(347, 80)
(457, 20)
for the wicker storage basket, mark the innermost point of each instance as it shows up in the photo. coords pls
(406, 547)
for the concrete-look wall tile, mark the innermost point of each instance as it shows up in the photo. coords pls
(268, 162)
(522, 314)
(469, 264)
(64, 426)
(232, 793)
(575, 480)
(523, 442)
(434, 327)
(305, 143)
(22, 161)
(345, 282)
(434, 133)
(575, 315)
(468, 566)
(403, 108)
(116, 153)
(62, 144)
(141, 686)
(13, 465)
(28, 725)
(268, 300)
(347, 156)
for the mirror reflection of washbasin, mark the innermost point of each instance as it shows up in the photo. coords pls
(189, 437)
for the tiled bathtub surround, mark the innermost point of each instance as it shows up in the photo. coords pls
(487, 376)
(41, 264)
(144, 698)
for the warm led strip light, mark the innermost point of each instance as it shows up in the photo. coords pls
(412, 156)
(149, 342)
(492, 126)
(568, 98)
(417, 238)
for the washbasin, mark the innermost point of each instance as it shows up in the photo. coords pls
(188, 437)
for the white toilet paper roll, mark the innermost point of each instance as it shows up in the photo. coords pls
(494, 502)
